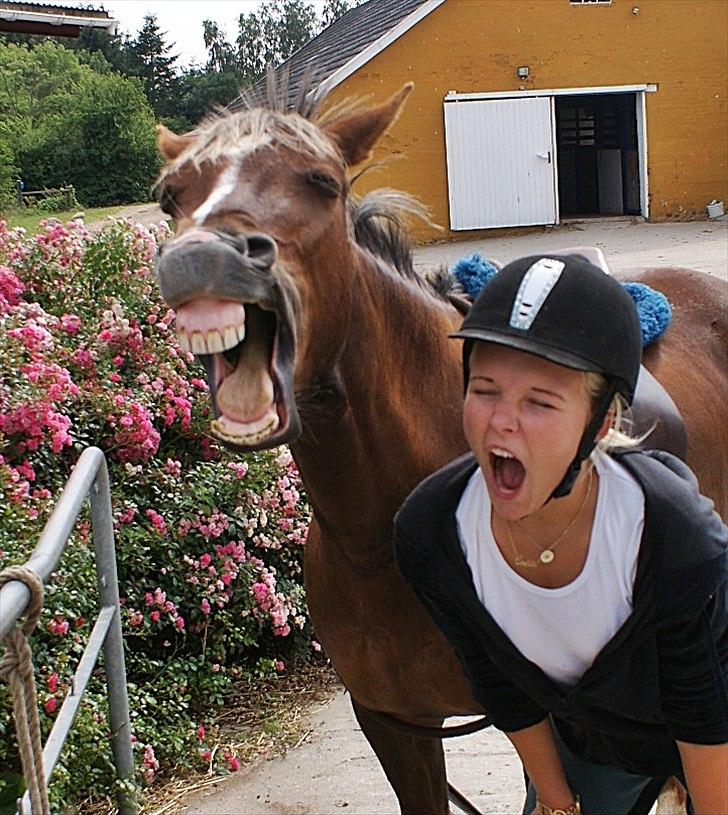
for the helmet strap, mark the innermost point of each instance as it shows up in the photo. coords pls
(587, 444)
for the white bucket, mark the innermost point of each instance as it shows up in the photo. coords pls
(715, 209)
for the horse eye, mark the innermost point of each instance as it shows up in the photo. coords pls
(325, 183)
(168, 201)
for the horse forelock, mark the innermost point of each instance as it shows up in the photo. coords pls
(227, 134)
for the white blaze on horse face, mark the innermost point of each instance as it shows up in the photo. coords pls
(228, 180)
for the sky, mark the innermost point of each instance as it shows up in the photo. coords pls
(180, 19)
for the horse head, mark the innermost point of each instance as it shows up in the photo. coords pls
(260, 268)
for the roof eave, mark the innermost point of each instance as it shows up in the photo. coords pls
(371, 51)
(59, 20)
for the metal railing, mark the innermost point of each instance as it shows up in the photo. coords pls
(90, 478)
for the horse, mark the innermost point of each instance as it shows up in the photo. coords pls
(316, 332)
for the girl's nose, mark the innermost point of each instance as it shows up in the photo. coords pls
(505, 417)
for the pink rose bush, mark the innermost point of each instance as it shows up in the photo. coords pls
(209, 545)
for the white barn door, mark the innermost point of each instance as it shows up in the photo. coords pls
(500, 162)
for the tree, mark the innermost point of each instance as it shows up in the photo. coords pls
(60, 122)
(333, 9)
(150, 60)
(201, 91)
(221, 54)
(273, 33)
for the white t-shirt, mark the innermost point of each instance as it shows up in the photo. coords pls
(560, 630)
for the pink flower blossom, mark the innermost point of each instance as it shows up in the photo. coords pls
(206, 755)
(205, 605)
(58, 626)
(11, 289)
(233, 762)
(154, 616)
(50, 706)
(173, 467)
(157, 521)
(200, 732)
(71, 323)
(53, 682)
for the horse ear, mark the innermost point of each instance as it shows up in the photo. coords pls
(357, 133)
(170, 144)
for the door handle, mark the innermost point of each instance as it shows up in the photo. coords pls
(545, 156)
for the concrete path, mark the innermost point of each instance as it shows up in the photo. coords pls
(701, 245)
(335, 771)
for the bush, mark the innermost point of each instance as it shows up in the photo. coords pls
(67, 123)
(209, 545)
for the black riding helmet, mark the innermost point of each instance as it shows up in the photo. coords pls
(564, 309)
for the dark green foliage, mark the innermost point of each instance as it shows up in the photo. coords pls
(149, 58)
(68, 124)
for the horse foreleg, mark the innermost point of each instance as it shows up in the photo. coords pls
(414, 766)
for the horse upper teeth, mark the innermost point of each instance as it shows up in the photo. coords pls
(199, 346)
(214, 342)
(231, 337)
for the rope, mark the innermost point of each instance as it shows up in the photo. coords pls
(16, 668)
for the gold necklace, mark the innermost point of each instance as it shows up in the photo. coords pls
(547, 553)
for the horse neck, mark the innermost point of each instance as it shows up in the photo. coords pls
(399, 382)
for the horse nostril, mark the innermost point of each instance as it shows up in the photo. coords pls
(262, 249)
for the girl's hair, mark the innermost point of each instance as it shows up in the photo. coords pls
(618, 436)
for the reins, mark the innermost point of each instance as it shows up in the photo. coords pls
(423, 732)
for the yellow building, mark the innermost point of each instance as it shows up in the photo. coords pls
(528, 112)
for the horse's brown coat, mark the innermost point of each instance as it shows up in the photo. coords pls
(379, 391)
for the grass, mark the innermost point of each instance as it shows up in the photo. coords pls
(29, 219)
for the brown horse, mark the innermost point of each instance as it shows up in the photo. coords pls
(316, 332)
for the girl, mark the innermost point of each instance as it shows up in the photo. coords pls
(582, 583)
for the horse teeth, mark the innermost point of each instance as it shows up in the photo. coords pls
(215, 344)
(231, 337)
(184, 341)
(199, 346)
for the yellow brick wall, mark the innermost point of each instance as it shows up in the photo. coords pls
(476, 45)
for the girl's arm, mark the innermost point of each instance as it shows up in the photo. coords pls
(537, 748)
(706, 771)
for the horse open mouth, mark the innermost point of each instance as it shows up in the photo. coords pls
(240, 346)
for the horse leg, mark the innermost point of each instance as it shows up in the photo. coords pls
(414, 766)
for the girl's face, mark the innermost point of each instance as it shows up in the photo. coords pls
(523, 417)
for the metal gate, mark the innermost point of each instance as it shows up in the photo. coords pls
(90, 478)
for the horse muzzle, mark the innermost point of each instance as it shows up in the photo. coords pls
(234, 315)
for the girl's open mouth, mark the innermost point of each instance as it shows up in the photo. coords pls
(508, 472)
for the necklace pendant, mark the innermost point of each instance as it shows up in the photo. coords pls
(546, 556)
(525, 563)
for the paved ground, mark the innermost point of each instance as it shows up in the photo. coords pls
(701, 245)
(334, 771)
